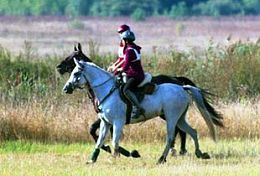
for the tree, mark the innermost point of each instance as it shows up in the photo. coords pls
(251, 6)
(138, 15)
(218, 8)
(179, 10)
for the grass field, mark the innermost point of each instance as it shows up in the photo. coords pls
(232, 157)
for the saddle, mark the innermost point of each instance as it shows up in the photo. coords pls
(146, 87)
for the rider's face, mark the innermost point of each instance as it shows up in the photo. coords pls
(123, 42)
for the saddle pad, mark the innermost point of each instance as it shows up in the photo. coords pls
(147, 79)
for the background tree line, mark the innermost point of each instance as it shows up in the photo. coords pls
(136, 9)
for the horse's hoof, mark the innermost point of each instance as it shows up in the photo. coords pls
(90, 162)
(106, 148)
(198, 153)
(201, 155)
(173, 152)
(135, 154)
(183, 152)
(205, 156)
(161, 160)
(116, 154)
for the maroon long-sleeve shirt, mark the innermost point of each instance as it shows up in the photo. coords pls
(132, 64)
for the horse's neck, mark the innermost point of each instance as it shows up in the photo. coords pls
(101, 82)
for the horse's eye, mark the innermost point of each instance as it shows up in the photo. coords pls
(77, 77)
(76, 74)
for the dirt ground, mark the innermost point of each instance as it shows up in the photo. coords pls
(56, 35)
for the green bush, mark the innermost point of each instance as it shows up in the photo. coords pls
(21, 78)
(230, 72)
(245, 68)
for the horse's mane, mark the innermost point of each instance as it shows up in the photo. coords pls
(92, 64)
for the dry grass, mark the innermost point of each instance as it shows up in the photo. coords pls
(46, 122)
(241, 120)
(70, 122)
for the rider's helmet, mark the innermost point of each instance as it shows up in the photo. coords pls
(123, 28)
(128, 36)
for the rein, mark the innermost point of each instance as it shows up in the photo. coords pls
(98, 85)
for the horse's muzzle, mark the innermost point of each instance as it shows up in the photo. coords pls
(68, 89)
(60, 69)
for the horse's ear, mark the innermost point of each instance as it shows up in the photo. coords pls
(75, 48)
(78, 64)
(79, 47)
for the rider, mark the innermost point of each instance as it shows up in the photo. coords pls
(132, 67)
(120, 60)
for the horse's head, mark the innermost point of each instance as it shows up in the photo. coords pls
(77, 78)
(68, 64)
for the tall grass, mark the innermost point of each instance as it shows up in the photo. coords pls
(33, 107)
(231, 72)
(24, 76)
(68, 121)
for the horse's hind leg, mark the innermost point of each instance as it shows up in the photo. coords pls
(183, 135)
(171, 124)
(182, 124)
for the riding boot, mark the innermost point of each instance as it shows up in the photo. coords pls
(138, 110)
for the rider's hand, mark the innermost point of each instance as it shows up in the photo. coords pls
(120, 69)
(110, 69)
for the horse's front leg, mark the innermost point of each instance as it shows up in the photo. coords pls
(118, 128)
(104, 127)
(93, 128)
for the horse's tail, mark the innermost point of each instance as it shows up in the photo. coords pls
(184, 80)
(210, 115)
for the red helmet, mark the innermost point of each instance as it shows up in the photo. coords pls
(123, 28)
